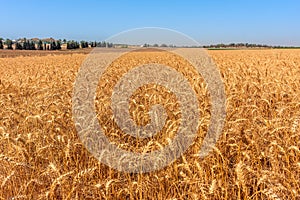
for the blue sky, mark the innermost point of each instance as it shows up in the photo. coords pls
(275, 22)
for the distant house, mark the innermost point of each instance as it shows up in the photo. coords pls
(35, 40)
(48, 40)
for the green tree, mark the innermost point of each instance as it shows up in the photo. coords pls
(25, 44)
(32, 45)
(103, 44)
(9, 43)
(58, 45)
(93, 44)
(1, 43)
(83, 44)
(52, 46)
(40, 45)
(18, 46)
(72, 45)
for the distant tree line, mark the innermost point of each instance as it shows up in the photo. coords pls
(157, 45)
(50, 44)
(8, 43)
(72, 44)
(101, 44)
(244, 45)
(84, 44)
(39, 45)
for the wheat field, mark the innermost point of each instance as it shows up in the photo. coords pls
(256, 157)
